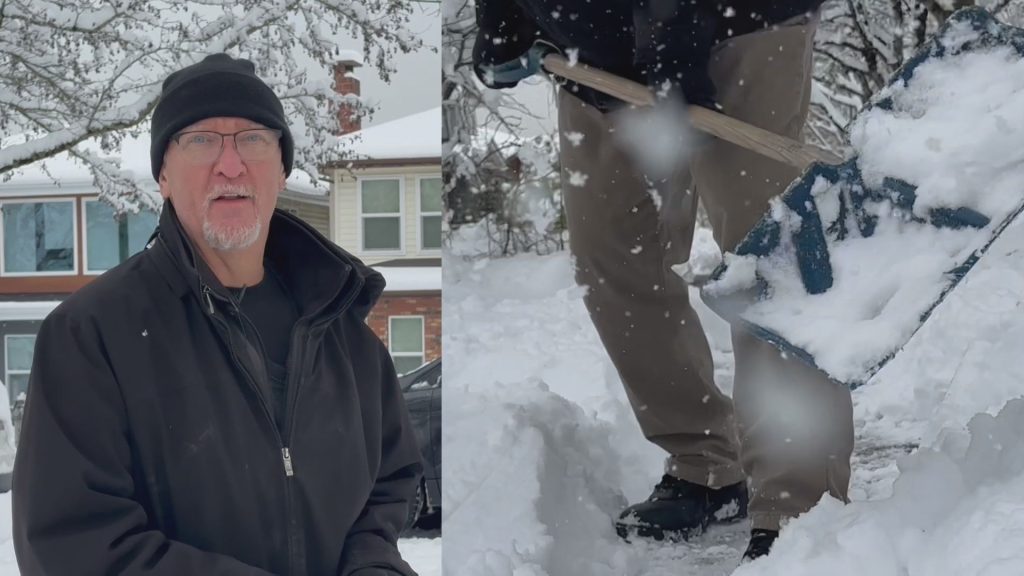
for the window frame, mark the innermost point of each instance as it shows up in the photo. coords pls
(75, 248)
(360, 217)
(85, 238)
(7, 363)
(423, 338)
(420, 214)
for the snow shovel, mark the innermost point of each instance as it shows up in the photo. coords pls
(851, 260)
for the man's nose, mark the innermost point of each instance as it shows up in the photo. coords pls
(229, 163)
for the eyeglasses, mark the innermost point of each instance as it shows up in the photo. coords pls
(203, 147)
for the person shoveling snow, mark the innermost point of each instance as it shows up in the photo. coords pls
(790, 435)
(789, 281)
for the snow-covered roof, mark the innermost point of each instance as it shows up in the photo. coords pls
(25, 310)
(134, 155)
(414, 136)
(411, 279)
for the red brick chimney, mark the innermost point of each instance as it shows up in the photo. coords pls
(344, 83)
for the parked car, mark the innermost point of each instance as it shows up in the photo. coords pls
(422, 391)
(6, 440)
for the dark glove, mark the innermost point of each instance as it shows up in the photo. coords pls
(504, 33)
(508, 74)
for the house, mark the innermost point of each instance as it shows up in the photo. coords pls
(386, 209)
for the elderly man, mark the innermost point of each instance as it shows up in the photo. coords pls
(216, 404)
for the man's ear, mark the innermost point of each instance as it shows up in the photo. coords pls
(165, 186)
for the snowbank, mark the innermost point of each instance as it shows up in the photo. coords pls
(956, 510)
(543, 451)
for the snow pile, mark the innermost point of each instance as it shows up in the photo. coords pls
(953, 512)
(543, 450)
(959, 146)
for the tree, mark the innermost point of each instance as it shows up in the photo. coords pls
(493, 178)
(89, 71)
(861, 43)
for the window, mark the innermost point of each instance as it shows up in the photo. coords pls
(110, 241)
(405, 341)
(39, 237)
(380, 202)
(430, 213)
(18, 351)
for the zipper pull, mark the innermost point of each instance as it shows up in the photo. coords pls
(288, 470)
(209, 301)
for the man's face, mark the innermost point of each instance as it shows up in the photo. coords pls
(224, 204)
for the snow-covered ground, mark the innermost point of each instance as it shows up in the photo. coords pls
(424, 554)
(542, 450)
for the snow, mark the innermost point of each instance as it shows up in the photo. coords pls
(423, 554)
(36, 310)
(134, 157)
(959, 146)
(543, 450)
(414, 136)
(411, 279)
(346, 55)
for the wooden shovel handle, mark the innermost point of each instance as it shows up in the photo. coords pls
(748, 136)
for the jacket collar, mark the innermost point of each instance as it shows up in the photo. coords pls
(323, 278)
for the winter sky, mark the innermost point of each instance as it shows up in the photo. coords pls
(417, 73)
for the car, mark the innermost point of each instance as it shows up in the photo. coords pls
(422, 391)
(7, 449)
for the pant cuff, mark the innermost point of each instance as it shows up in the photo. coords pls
(716, 477)
(766, 520)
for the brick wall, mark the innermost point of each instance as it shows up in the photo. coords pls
(346, 84)
(426, 305)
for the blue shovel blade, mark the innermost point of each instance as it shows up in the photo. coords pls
(810, 241)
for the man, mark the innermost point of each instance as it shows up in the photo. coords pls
(788, 431)
(216, 404)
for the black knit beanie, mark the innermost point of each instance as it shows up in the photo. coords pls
(218, 86)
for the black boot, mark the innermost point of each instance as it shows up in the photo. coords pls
(760, 543)
(679, 510)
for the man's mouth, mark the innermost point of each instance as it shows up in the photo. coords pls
(232, 198)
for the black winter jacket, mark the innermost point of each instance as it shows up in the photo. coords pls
(663, 43)
(148, 448)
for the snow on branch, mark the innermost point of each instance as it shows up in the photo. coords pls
(76, 71)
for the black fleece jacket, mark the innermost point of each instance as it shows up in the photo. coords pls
(148, 446)
(663, 43)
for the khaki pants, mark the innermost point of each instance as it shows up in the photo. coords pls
(788, 429)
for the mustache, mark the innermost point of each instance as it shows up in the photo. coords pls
(222, 190)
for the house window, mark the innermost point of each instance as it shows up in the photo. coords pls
(380, 202)
(430, 213)
(405, 341)
(18, 351)
(39, 237)
(110, 241)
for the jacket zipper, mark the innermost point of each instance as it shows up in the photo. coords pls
(291, 402)
(286, 457)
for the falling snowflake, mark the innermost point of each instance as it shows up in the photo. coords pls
(577, 178)
(574, 138)
(573, 54)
